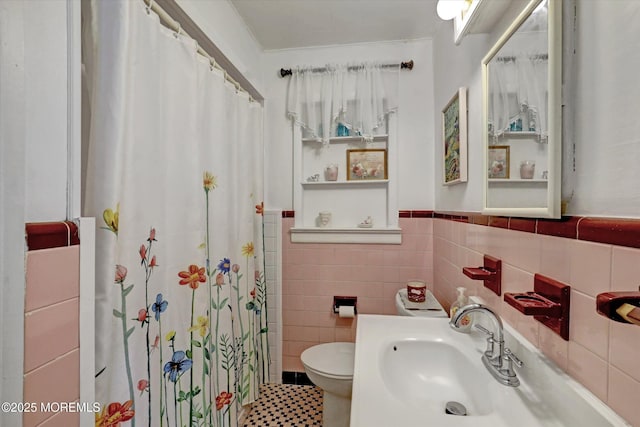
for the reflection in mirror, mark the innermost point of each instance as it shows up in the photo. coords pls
(521, 88)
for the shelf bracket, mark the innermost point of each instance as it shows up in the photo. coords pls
(490, 273)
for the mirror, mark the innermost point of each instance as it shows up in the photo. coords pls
(522, 115)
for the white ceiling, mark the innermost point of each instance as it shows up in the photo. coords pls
(283, 24)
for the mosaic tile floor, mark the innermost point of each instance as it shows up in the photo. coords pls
(286, 405)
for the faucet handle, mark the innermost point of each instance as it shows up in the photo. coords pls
(490, 341)
(483, 329)
(512, 358)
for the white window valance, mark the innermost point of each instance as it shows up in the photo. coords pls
(519, 92)
(358, 97)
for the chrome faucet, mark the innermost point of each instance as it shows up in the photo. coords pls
(498, 361)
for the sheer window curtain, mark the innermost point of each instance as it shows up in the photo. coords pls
(519, 90)
(358, 96)
(174, 178)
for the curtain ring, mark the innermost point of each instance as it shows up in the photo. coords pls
(149, 7)
(212, 64)
(177, 33)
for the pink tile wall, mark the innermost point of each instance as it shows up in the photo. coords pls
(51, 334)
(313, 273)
(601, 354)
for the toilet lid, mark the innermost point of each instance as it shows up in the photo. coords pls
(335, 358)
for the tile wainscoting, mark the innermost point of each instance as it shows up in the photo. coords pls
(273, 274)
(312, 273)
(51, 321)
(592, 255)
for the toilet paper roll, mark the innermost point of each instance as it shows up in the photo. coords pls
(346, 311)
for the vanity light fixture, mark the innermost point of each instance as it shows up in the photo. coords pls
(449, 9)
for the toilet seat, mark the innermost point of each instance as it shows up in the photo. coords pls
(333, 359)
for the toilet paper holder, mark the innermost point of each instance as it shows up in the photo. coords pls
(339, 301)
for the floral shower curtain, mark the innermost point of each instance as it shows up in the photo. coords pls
(174, 176)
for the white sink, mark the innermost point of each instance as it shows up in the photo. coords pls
(408, 368)
(426, 374)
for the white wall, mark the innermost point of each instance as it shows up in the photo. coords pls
(34, 135)
(223, 25)
(607, 106)
(45, 72)
(602, 110)
(415, 116)
(12, 189)
(455, 67)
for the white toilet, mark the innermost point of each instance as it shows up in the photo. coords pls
(330, 367)
(430, 308)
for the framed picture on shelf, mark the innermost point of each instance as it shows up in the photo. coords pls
(498, 161)
(454, 138)
(366, 164)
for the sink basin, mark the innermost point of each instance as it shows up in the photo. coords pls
(408, 368)
(426, 374)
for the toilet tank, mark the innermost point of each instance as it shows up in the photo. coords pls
(430, 308)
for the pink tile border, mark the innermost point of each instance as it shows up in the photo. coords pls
(46, 235)
(521, 224)
(613, 231)
(563, 227)
(499, 222)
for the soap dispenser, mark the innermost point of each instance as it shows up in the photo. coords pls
(465, 322)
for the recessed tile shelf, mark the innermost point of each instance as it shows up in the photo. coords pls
(391, 235)
(521, 134)
(369, 182)
(350, 201)
(517, 181)
(343, 139)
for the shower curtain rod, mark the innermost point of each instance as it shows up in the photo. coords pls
(403, 65)
(174, 25)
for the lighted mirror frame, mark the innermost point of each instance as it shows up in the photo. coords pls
(554, 167)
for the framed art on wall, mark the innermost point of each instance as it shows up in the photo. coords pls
(498, 161)
(366, 164)
(454, 138)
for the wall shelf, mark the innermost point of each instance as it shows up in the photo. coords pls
(345, 139)
(389, 235)
(370, 182)
(517, 181)
(349, 202)
(519, 135)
